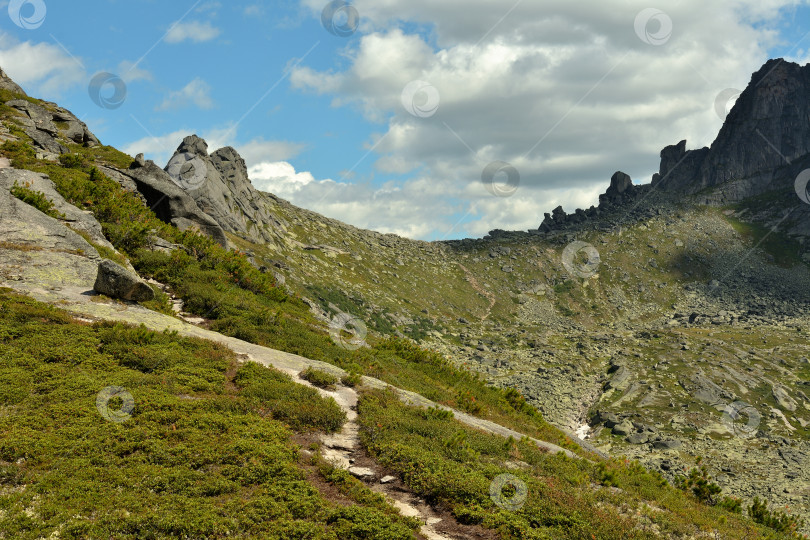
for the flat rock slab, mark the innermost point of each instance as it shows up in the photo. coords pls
(361, 472)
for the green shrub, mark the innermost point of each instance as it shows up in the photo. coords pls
(37, 199)
(319, 378)
(71, 161)
(351, 379)
(701, 486)
(20, 153)
(276, 395)
(777, 520)
(731, 504)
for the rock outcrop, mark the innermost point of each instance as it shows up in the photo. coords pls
(620, 191)
(40, 247)
(46, 124)
(224, 192)
(117, 282)
(167, 200)
(76, 219)
(7, 84)
(762, 147)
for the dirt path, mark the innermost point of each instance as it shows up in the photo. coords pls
(479, 289)
(344, 450)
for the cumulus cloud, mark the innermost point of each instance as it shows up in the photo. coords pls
(197, 93)
(42, 69)
(194, 31)
(566, 92)
(361, 204)
(260, 151)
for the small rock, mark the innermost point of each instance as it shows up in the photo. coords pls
(667, 445)
(387, 479)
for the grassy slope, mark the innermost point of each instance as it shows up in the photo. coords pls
(204, 453)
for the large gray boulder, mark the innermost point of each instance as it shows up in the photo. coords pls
(620, 183)
(39, 249)
(220, 186)
(117, 282)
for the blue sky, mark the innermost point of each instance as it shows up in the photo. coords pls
(241, 53)
(566, 94)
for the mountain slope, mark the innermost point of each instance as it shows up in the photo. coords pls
(647, 344)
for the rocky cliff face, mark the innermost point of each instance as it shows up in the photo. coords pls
(762, 147)
(220, 186)
(768, 129)
(47, 124)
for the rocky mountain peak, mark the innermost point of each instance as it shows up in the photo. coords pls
(619, 183)
(767, 129)
(762, 146)
(193, 145)
(221, 188)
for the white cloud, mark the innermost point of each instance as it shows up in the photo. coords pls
(254, 10)
(42, 69)
(208, 6)
(194, 31)
(197, 93)
(130, 72)
(564, 91)
(417, 208)
(278, 177)
(259, 151)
